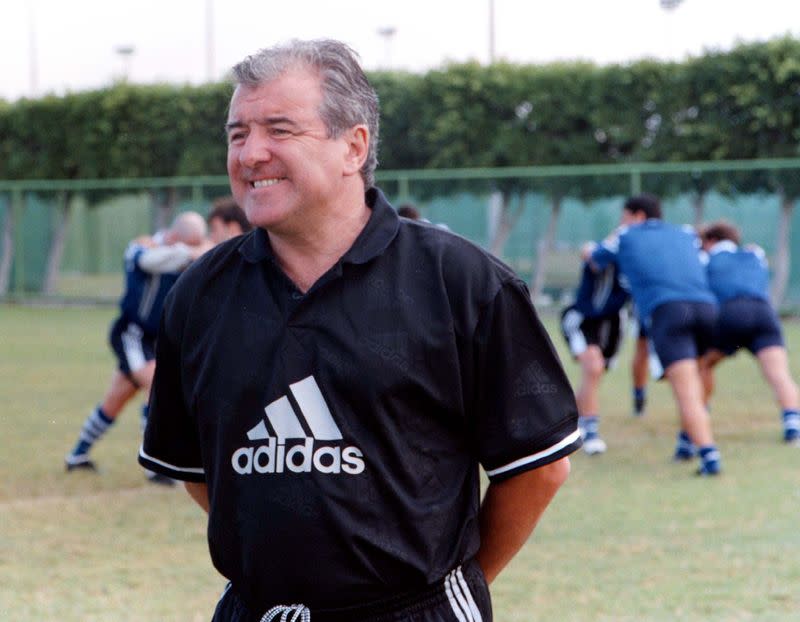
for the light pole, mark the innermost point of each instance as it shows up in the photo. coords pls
(387, 33)
(209, 40)
(491, 32)
(33, 66)
(125, 52)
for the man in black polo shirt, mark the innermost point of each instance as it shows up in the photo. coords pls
(328, 384)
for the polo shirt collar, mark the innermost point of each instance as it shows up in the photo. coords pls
(378, 233)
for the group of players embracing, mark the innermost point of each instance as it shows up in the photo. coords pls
(698, 297)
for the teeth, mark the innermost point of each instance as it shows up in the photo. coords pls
(263, 183)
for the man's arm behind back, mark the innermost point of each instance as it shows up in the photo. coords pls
(511, 510)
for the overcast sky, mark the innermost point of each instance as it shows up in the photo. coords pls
(72, 45)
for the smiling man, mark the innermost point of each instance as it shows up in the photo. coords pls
(328, 384)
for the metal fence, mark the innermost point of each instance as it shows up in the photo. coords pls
(65, 239)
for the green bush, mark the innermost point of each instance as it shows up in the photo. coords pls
(734, 105)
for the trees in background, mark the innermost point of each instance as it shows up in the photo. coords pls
(734, 105)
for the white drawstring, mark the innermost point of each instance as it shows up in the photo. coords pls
(301, 614)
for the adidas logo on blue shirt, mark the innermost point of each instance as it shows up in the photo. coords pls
(275, 456)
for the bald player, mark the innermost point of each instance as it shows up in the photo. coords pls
(152, 265)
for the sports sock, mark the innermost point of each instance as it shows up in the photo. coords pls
(96, 424)
(684, 447)
(639, 399)
(590, 425)
(791, 424)
(709, 460)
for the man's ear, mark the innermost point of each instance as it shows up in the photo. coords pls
(357, 140)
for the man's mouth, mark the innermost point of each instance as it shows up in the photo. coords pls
(263, 183)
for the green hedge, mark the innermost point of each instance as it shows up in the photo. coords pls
(740, 104)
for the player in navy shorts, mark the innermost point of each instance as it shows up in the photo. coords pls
(152, 265)
(739, 278)
(662, 266)
(593, 327)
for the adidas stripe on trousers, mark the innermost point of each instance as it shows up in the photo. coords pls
(461, 596)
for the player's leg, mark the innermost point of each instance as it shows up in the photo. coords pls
(639, 372)
(592, 365)
(707, 363)
(138, 358)
(684, 378)
(582, 337)
(765, 341)
(100, 420)
(685, 448)
(681, 332)
(144, 378)
(774, 363)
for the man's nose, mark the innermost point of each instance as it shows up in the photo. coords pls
(254, 151)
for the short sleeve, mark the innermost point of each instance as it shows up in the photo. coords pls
(525, 414)
(171, 441)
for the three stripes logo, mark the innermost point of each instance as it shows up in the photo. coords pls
(294, 440)
(458, 593)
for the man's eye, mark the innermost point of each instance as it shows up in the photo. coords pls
(236, 136)
(279, 131)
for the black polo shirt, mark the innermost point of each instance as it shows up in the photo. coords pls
(340, 431)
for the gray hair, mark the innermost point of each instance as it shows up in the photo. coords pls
(348, 98)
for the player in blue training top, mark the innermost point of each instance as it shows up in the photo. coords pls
(739, 278)
(663, 269)
(593, 327)
(152, 265)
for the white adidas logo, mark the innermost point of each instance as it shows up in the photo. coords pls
(275, 456)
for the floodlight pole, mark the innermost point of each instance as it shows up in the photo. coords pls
(387, 33)
(33, 61)
(125, 52)
(491, 32)
(209, 40)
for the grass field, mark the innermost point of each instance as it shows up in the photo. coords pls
(630, 537)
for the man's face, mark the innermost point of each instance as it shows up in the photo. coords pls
(283, 169)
